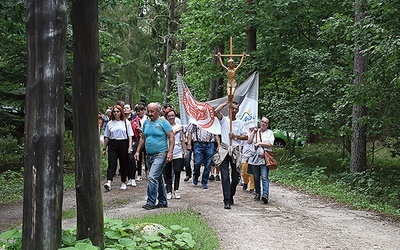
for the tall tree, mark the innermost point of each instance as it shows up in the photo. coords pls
(169, 47)
(216, 89)
(358, 158)
(90, 222)
(46, 27)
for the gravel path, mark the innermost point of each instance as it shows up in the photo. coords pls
(292, 219)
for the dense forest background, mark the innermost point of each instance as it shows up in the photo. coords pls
(304, 51)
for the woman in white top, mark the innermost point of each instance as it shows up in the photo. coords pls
(118, 138)
(175, 167)
(261, 139)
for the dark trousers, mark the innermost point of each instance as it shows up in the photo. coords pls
(228, 185)
(188, 167)
(117, 151)
(173, 169)
(132, 167)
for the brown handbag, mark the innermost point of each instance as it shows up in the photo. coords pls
(270, 161)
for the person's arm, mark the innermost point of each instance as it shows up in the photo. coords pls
(220, 61)
(218, 140)
(105, 145)
(171, 144)
(189, 142)
(252, 132)
(217, 111)
(183, 143)
(241, 61)
(140, 146)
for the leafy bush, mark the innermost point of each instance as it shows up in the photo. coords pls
(11, 152)
(12, 183)
(118, 235)
(320, 170)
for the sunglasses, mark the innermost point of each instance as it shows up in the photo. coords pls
(116, 111)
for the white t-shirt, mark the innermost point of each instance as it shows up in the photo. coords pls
(237, 128)
(178, 150)
(118, 130)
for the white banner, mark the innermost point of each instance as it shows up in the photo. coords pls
(202, 114)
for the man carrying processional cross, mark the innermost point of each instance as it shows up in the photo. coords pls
(232, 133)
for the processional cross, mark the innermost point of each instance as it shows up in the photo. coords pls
(231, 73)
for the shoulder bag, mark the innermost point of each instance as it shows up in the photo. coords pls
(270, 161)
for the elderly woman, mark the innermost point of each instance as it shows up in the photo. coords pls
(173, 169)
(118, 138)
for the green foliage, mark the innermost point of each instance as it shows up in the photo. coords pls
(12, 183)
(125, 235)
(320, 170)
(11, 152)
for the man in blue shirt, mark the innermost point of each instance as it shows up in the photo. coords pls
(158, 139)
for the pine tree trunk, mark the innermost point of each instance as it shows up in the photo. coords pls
(90, 221)
(46, 27)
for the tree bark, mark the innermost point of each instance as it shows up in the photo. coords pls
(216, 89)
(358, 158)
(46, 26)
(170, 46)
(90, 222)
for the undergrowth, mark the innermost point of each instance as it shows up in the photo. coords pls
(192, 232)
(322, 170)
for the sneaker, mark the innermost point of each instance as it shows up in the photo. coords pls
(227, 205)
(148, 207)
(169, 196)
(211, 178)
(245, 186)
(129, 183)
(177, 194)
(139, 178)
(204, 186)
(195, 181)
(217, 178)
(133, 183)
(159, 205)
(107, 186)
(264, 198)
(186, 178)
(123, 186)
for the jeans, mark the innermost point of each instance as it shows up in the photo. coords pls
(156, 186)
(261, 172)
(203, 152)
(188, 167)
(228, 186)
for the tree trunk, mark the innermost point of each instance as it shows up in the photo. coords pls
(170, 46)
(46, 26)
(216, 89)
(251, 34)
(90, 223)
(358, 158)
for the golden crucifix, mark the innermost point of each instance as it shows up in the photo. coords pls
(231, 69)
(231, 85)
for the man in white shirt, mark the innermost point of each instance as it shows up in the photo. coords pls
(232, 160)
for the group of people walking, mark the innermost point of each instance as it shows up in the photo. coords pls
(168, 148)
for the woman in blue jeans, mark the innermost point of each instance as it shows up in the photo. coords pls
(261, 139)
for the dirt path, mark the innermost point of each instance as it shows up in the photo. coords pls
(292, 220)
